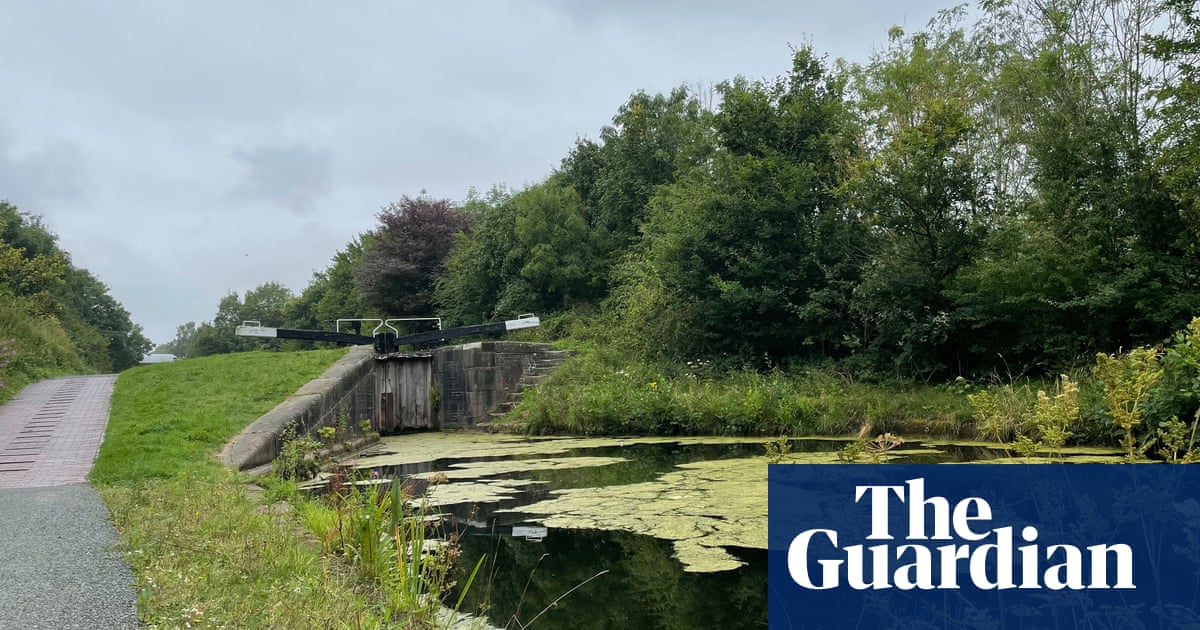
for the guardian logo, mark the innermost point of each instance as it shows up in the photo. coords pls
(988, 564)
(967, 546)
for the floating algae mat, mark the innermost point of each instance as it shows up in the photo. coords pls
(676, 528)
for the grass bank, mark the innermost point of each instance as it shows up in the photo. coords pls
(601, 391)
(32, 348)
(204, 553)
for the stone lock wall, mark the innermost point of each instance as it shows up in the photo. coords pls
(345, 390)
(474, 379)
(455, 387)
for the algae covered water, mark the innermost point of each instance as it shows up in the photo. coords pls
(617, 532)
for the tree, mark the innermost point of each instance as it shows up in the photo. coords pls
(265, 303)
(557, 252)
(332, 294)
(531, 251)
(921, 188)
(406, 254)
(753, 255)
(38, 279)
(1179, 100)
(651, 141)
(1093, 253)
(181, 345)
(483, 263)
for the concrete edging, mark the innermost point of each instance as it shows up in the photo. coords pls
(314, 405)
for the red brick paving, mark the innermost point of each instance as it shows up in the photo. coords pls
(51, 431)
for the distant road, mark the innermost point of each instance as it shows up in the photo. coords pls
(59, 565)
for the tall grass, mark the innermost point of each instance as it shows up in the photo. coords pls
(600, 391)
(388, 541)
(204, 555)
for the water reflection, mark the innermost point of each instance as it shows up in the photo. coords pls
(643, 587)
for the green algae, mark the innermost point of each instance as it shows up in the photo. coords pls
(702, 508)
(1000, 446)
(417, 448)
(476, 470)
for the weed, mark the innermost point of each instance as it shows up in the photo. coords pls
(856, 450)
(777, 449)
(297, 455)
(1052, 415)
(6, 354)
(385, 535)
(1026, 446)
(599, 391)
(1173, 434)
(1127, 380)
(999, 412)
(195, 541)
(852, 452)
(882, 445)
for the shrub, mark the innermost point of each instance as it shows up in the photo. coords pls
(1128, 379)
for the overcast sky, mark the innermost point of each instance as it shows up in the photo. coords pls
(184, 150)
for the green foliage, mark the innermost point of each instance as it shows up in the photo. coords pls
(481, 266)
(554, 245)
(923, 193)
(61, 318)
(206, 555)
(181, 344)
(38, 347)
(1053, 415)
(853, 451)
(1177, 394)
(1179, 444)
(1179, 134)
(999, 412)
(1128, 379)
(265, 303)
(1004, 191)
(332, 294)
(386, 536)
(600, 391)
(748, 255)
(297, 455)
(197, 544)
(777, 449)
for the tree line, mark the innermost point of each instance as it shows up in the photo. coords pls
(1011, 189)
(55, 318)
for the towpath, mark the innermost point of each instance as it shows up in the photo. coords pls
(59, 566)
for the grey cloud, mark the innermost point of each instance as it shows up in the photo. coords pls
(335, 110)
(53, 171)
(294, 177)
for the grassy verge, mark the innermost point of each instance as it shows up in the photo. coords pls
(203, 552)
(32, 348)
(601, 391)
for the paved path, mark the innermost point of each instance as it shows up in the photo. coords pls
(59, 567)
